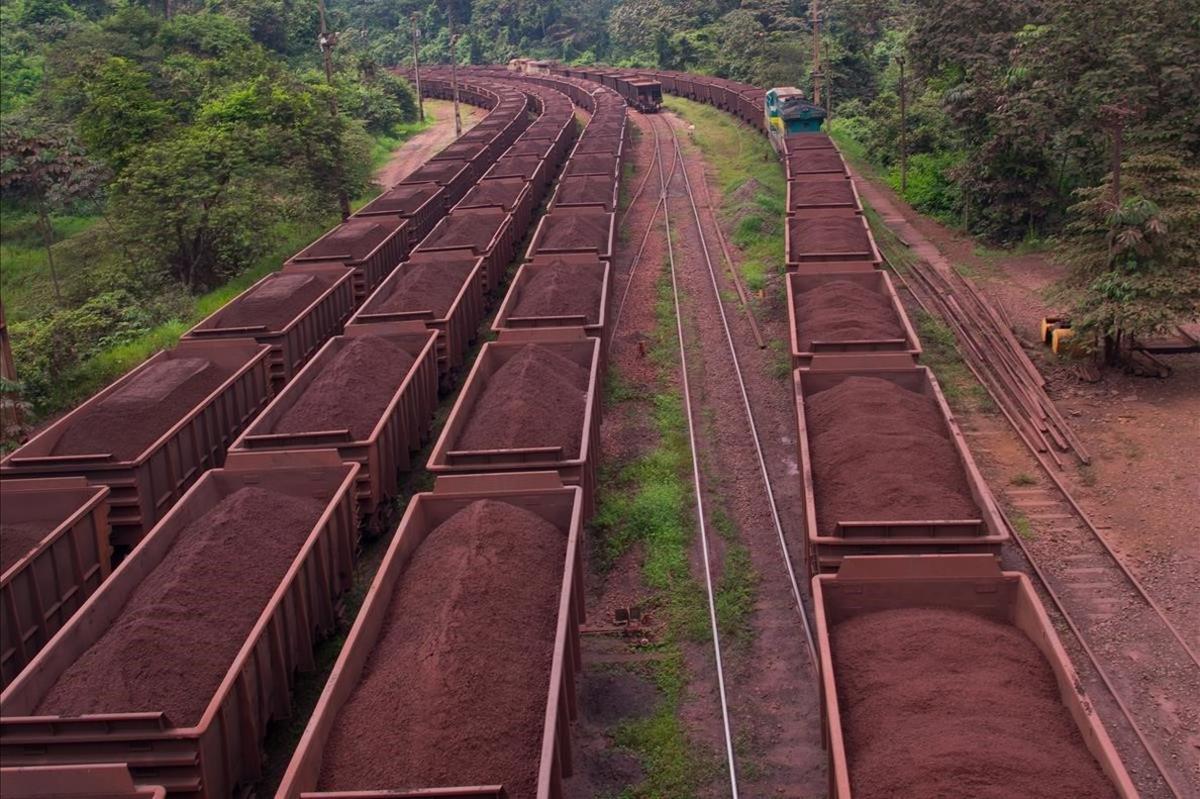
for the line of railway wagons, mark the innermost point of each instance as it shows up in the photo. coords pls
(281, 397)
(869, 543)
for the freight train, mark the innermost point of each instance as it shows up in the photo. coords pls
(641, 91)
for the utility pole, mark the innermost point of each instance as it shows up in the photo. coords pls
(903, 128)
(454, 74)
(417, 68)
(817, 75)
(327, 41)
(10, 406)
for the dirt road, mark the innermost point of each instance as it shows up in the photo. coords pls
(417, 150)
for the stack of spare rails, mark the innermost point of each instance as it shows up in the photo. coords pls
(933, 661)
(177, 547)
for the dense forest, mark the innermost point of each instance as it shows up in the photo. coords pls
(167, 147)
(163, 156)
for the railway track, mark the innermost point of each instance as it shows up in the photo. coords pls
(1131, 643)
(675, 185)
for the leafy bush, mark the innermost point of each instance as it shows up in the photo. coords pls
(931, 190)
(47, 348)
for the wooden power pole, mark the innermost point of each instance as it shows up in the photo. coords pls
(454, 75)
(327, 40)
(416, 35)
(817, 75)
(903, 128)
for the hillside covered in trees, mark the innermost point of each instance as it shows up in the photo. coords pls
(163, 156)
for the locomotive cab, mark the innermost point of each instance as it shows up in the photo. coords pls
(789, 113)
(648, 97)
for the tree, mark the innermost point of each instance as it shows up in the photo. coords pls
(122, 113)
(196, 204)
(1135, 262)
(48, 172)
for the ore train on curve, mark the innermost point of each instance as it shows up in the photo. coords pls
(300, 403)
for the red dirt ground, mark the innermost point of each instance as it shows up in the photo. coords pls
(418, 149)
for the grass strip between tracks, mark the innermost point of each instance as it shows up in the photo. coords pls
(647, 503)
(753, 190)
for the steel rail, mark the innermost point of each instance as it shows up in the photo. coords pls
(737, 368)
(696, 481)
(637, 258)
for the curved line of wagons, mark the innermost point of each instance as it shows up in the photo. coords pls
(461, 216)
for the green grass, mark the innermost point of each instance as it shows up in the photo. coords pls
(1023, 479)
(848, 145)
(646, 502)
(24, 270)
(780, 359)
(1023, 526)
(939, 353)
(740, 155)
(674, 767)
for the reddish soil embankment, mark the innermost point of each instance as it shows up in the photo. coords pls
(352, 391)
(132, 418)
(940, 702)
(180, 631)
(454, 692)
(842, 310)
(882, 453)
(536, 399)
